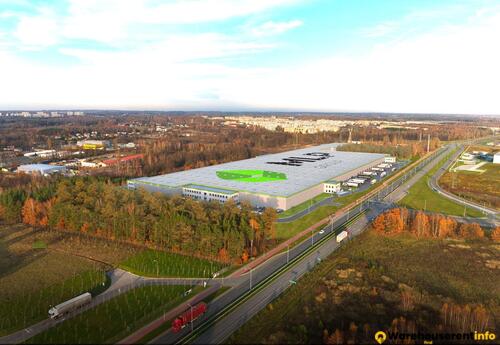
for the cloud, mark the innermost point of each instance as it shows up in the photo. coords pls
(274, 28)
(453, 69)
(449, 69)
(117, 22)
(37, 31)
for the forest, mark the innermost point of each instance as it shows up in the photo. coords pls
(422, 225)
(226, 233)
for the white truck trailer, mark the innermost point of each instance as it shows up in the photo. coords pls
(377, 169)
(70, 305)
(368, 173)
(341, 236)
(352, 184)
(357, 180)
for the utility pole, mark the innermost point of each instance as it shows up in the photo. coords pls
(287, 253)
(312, 237)
(251, 279)
(428, 142)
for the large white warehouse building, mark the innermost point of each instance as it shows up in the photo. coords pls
(280, 180)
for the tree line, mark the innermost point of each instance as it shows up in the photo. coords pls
(225, 232)
(422, 225)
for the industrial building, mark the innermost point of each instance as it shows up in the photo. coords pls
(332, 187)
(93, 144)
(280, 180)
(42, 169)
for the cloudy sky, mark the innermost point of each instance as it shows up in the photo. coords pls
(318, 55)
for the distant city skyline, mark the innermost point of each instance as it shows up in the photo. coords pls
(256, 55)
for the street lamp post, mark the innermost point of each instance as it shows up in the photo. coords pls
(190, 306)
(287, 253)
(157, 267)
(251, 278)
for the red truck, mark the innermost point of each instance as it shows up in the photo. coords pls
(191, 314)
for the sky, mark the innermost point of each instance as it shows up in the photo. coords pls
(415, 56)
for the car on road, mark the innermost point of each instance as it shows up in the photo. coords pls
(321, 232)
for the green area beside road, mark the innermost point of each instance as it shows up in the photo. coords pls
(155, 263)
(421, 197)
(113, 320)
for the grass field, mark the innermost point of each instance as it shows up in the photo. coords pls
(113, 320)
(25, 309)
(420, 196)
(480, 187)
(304, 205)
(286, 230)
(373, 280)
(37, 270)
(162, 264)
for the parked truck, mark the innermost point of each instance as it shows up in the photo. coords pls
(70, 305)
(368, 173)
(357, 180)
(341, 236)
(352, 184)
(189, 315)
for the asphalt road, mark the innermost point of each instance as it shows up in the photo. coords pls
(433, 183)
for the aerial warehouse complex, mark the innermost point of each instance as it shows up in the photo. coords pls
(280, 180)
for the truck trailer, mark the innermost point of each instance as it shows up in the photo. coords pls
(351, 184)
(70, 305)
(341, 236)
(188, 316)
(368, 173)
(357, 180)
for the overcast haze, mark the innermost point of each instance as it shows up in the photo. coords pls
(317, 55)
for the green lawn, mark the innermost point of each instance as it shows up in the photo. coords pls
(114, 320)
(420, 197)
(25, 309)
(154, 263)
(286, 230)
(304, 205)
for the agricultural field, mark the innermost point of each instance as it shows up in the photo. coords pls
(421, 197)
(161, 264)
(113, 320)
(375, 283)
(482, 186)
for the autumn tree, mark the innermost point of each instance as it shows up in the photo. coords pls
(495, 234)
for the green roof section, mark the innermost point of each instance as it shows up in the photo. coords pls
(251, 175)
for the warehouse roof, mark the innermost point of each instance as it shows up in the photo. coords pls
(279, 174)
